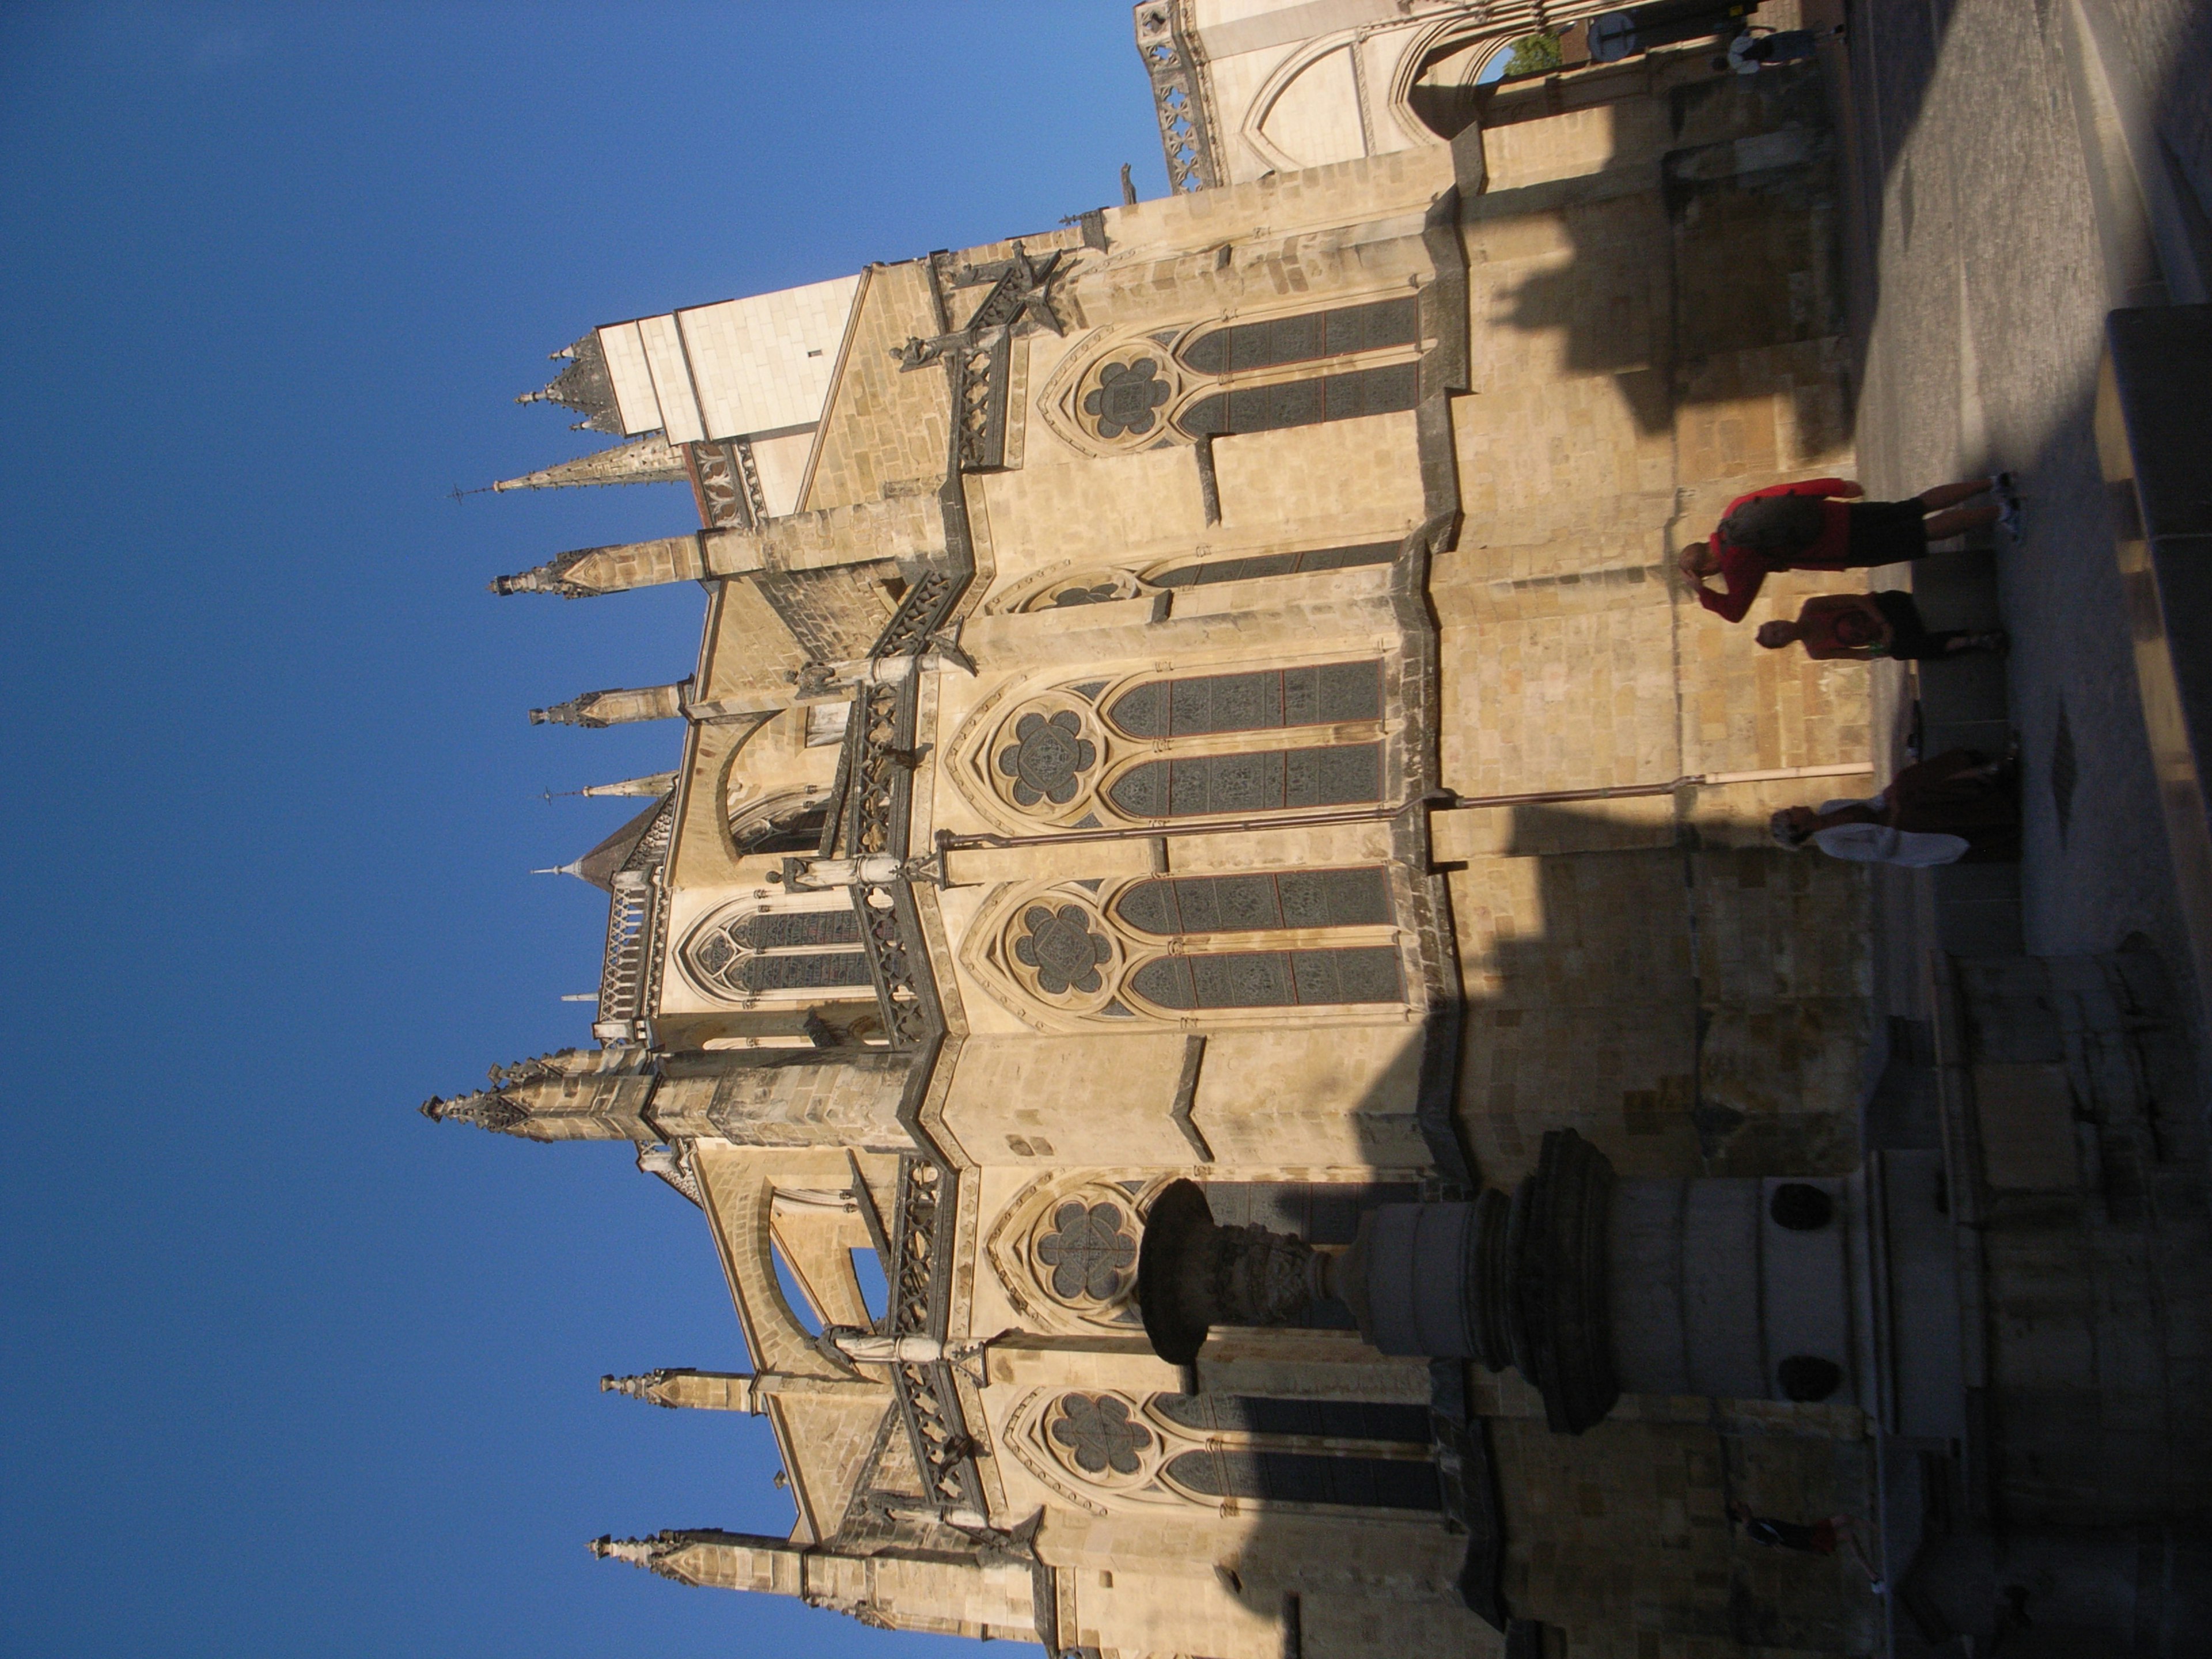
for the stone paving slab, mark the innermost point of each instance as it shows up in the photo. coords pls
(1980, 276)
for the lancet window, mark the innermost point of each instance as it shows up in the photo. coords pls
(1172, 905)
(1211, 1448)
(1242, 348)
(742, 955)
(1170, 747)
(1255, 376)
(1275, 404)
(1172, 947)
(1281, 1477)
(1271, 979)
(1102, 586)
(1268, 780)
(1264, 701)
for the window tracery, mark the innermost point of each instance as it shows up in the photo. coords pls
(1167, 906)
(1090, 1250)
(1065, 1251)
(1253, 375)
(1208, 1449)
(780, 824)
(1104, 586)
(1263, 780)
(745, 951)
(1162, 746)
(1166, 949)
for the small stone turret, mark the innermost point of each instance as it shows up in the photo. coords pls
(989, 1596)
(733, 1391)
(617, 707)
(577, 1094)
(711, 1391)
(787, 1097)
(586, 571)
(698, 555)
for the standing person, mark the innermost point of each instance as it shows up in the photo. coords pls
(1758, 49)
(1808, 1538)
(1953, 808)
(1861, 627)
(1819, 525)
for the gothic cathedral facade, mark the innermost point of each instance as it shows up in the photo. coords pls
(1204, 814)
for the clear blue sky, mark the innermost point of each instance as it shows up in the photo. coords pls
(286, 1369)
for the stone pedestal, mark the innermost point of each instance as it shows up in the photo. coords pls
(1589, 1285)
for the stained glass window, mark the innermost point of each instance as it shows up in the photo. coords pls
(1304, 402)
(1268, 699)
(1314, 334)
(781, 950)
(1367, 1483)
(1271, 979)
(1335, 1419)
(1264, 780)
(1251, 903)
(1272, 564)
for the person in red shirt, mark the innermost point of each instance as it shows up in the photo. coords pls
(1861, 627)
(1753, 540)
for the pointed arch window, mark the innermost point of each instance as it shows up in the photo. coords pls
(1206, 572)
(1269, 408)
(1172, 905)
(1198, 705)
(751, 953)
(1329, 1420)
(1268, 781)
(1287, 1477)
(1255, 347)
(1242, 348)
(1272, 979)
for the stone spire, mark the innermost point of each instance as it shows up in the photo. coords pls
(578, 1094)
(643, 843)
(586, 571)
(649, 459)
(990, 1593)
(733, 1391)
(652, 702)
(652, 784)
(583, 386)
(711, 1391)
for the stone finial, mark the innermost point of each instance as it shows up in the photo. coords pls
(485, 1108)
(543, 578)
(638, 1551)
(673, 1166)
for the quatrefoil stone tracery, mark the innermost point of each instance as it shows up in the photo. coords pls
(1089, 1251)
(1059, 945)
(1099, 1434)
(1046, 757)
(1126, 396)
